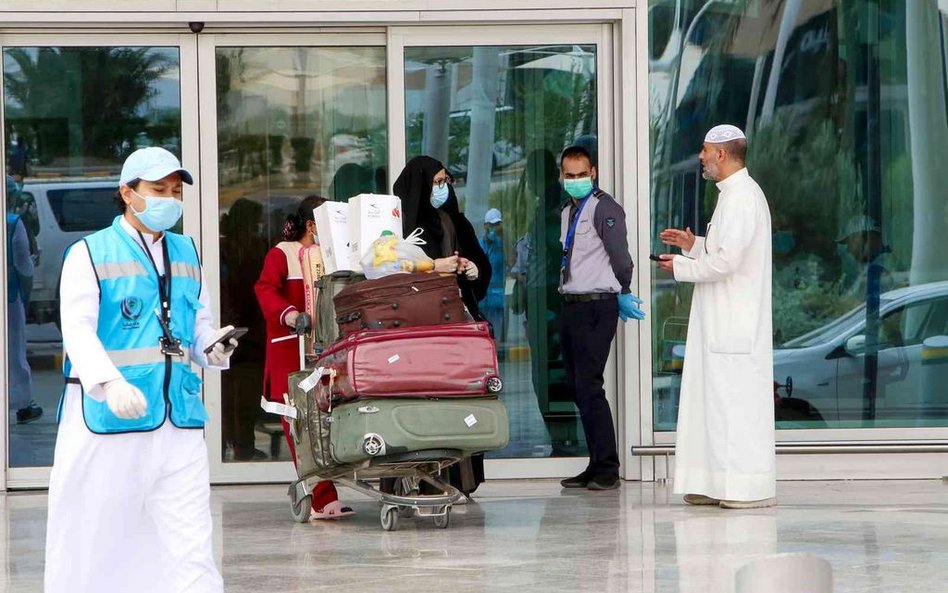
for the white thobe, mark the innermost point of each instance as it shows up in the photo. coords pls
(725, 446)
(127, 512)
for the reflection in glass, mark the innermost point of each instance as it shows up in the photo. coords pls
(845, 107)
(71, 116)
(498, 117)
(292, 122)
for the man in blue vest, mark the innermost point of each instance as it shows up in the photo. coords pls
(129, 490)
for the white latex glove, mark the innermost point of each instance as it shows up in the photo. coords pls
(220, 355)
(471, 271)
(124, 399)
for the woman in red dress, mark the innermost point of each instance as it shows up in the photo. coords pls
(280, 294)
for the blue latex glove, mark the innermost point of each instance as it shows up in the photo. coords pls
(628, 307)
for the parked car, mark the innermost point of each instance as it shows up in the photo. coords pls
(67, 211)
(819, 376)
(827, 365)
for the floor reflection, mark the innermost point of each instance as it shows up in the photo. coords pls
(526, 536)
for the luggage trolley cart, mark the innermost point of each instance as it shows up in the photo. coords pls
(410, 469)
(311, 429)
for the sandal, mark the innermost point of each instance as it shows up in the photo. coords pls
(333, 510)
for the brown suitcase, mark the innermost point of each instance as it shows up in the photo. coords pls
(399, 301)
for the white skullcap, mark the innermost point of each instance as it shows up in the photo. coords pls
(723, 133)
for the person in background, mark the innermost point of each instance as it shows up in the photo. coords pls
(243, 247)
(19, 285)
(279, 291)
(492, 306)
(429, 203)
(595, 284)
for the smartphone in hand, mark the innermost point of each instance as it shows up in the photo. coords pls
(236, 333)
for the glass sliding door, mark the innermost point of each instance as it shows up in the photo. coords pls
(293, 116)
(846, 117)
(73, 110)
(497, 110)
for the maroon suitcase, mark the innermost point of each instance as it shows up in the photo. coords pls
(454, 360)
(400, 301)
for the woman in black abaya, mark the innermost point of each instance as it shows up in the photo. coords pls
(429, 203)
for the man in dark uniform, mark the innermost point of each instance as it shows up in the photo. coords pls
(594, 282)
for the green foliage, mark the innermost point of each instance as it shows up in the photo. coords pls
(83, 101)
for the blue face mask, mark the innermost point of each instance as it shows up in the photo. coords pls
(578, 188)
(160, 214)
(439, 195)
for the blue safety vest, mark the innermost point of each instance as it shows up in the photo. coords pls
(130, 330)
(13, 279)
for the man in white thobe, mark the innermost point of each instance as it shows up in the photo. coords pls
(129, 510)
(725, 450)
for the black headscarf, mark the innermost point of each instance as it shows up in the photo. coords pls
(413, 186)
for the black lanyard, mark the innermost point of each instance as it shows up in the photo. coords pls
(169, 344)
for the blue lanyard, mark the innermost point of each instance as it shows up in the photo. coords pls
(571, 232)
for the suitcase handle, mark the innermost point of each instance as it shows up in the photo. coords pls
(349, 318)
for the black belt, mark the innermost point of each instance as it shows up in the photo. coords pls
(72, 381)
(590, 296)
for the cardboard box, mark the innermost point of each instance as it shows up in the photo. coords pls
(332, 227)
(369, 216)
(311, 262)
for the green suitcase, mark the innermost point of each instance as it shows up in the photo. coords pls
(310, 431)
(371, 428)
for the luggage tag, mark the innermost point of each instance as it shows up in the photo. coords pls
(312, 380)
(470, 421)
(278, 408)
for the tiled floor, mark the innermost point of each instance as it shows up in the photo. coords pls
(524, 536)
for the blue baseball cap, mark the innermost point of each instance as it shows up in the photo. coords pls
(152, 164)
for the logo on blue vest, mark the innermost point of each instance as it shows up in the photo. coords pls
(132, 309)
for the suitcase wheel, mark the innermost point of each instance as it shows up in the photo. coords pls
(389, 518)
(442, 521)
(301, 509)
(373, 445)
(494, 385)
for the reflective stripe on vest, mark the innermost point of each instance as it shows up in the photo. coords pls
(118, 269)
(147, 355)
(129, 330)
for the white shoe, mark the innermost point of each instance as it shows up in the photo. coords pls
(701, 500)
(749, 504)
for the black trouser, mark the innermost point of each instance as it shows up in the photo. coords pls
(586, 333)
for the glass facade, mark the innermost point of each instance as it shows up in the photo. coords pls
(497, 117)
(65, 147)
(844, 105)
(291, 122)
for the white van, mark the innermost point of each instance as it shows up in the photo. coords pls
(68, 209)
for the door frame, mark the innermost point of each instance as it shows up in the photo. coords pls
(38, 477)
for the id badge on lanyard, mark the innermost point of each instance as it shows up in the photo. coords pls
(170, 345)
(570, 237)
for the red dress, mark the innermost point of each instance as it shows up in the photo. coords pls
(279, 292)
